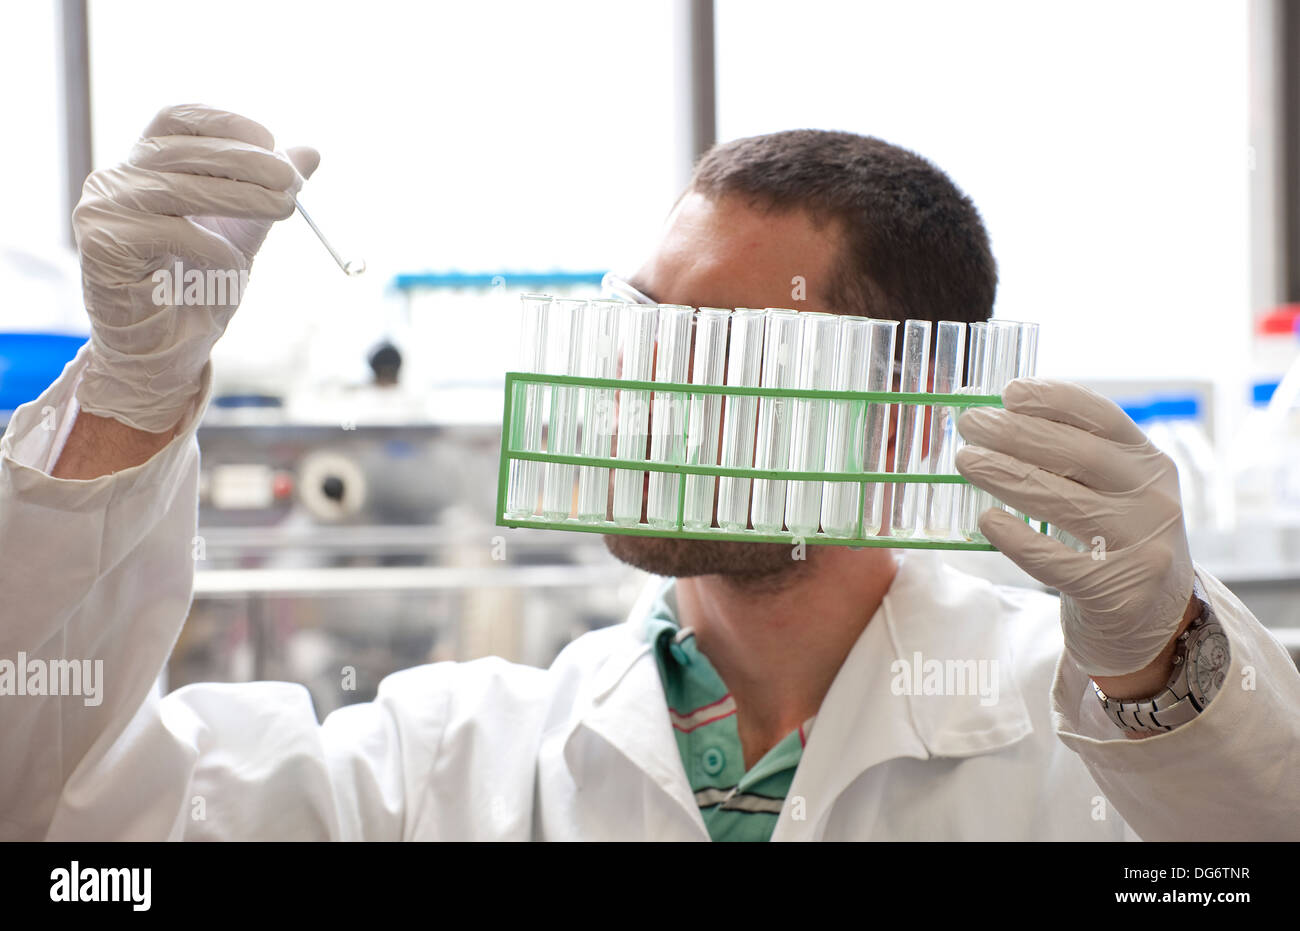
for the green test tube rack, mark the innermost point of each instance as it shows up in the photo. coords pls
(516, 395)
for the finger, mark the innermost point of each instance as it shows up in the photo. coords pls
(198, 120)
(304, 158)
(1041, 494)
(214, 158)
(1072, 404)
(180, 195)
(1046, 559)
(132, 244)
(1076, 454)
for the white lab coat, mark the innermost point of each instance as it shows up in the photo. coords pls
(583, 750)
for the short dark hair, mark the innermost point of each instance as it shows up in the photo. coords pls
(914, 245)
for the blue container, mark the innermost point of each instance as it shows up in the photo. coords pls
(29, 362)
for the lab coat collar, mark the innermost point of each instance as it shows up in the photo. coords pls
(626, 707)
(930, 612)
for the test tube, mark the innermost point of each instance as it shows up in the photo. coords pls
(976, 378)
(599, 343)
(1000, 356)
(564, 336)
(668, 413)
(526, 412)
(842, 501)
(949, 349)
(706, 414)
(772, 448)
(905, 519)
(880, 377)
(819, 340)
(636, 344)
(744, 357)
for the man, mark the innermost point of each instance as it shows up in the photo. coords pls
(755, 696)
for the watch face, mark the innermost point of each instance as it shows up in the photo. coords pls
(1207, 662)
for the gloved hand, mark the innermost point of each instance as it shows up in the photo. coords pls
(202, 187)
(1062, 453)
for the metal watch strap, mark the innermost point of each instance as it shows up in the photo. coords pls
(1174, 704)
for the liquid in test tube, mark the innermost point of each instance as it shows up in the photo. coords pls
(905, 520)
(636, 344)
(842, 501)
(949, 351)
(772, 448)
(739, 417)
(818, 342)
(668, 413)
(702, 432)
(527, 411)
(600, 357)
(564, 333)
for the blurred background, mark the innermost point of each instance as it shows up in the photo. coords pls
(1137, 165)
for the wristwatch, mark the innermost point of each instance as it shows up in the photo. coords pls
(1200, 665)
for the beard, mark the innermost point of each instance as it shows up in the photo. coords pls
(771, 563)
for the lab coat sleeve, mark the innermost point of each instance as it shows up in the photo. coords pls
(101, 572)
(1229, 773)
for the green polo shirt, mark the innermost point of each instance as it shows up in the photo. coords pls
(737, 805)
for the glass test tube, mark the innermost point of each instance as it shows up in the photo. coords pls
(841, 501)
(772, 449)
(636, 343)
(818, 341)
(527, 409)
(744, 356)
(905, 519)
(564, 357)
(706, 414)
(880, 377)
(1026, 362)
(976, 378)
(999, 359)
(949, 351)
(600, 358)
(668, 412)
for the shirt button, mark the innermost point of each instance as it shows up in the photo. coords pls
(714, 760)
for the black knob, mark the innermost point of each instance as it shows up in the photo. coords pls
(332, 487)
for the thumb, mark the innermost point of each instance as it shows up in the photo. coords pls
(305, 159)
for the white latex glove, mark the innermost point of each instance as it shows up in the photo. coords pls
(202, 187)
(1062, 453)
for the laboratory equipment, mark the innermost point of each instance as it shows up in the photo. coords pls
(949, 349)
(1007, 349)
(636, 341)
(744, 358)
(864, 362)
(668, 412)
(710, 359)
(526, 475)
(818, 340)
(905, 519)
(599, 342)
(781, 349)
(351, 267)
(564, 353)
(792, 431)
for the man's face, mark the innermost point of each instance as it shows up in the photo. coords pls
(721, 253)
